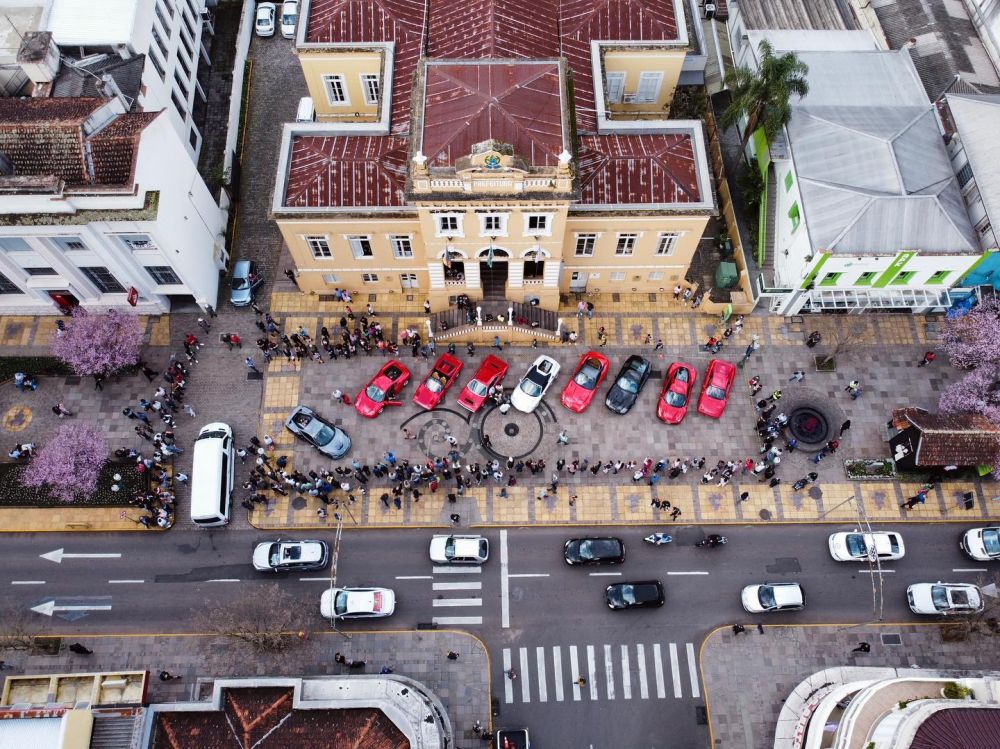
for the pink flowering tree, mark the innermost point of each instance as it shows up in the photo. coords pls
(977, 392)
(974, 338)
(68, 464)
(99, 344)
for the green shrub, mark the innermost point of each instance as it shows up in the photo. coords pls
(955, 691)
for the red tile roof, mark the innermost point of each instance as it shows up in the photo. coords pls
(479, 29)
(632, 169)
(517, 103)
(344, 171)
(368, 21)
(582, 21)
(952, 439)
(45, 137)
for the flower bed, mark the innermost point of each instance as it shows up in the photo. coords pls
(865, 469)
(15, 494)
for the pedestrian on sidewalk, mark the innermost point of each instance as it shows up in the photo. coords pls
(743, 497)
(455, 518)
(863, 647)
(814, 338)
(738, 629)
(211, 311)
(250, 365)
(452, 655)
(675, 513)
(167, 676)
(677, 292)
(60, 410)
(928, 358)
(844, 427)
(797, 376)
(563, 438)
(80, 649)
(203, 324)
(189, 410)
(181, 478)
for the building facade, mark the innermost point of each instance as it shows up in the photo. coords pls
(497, 151)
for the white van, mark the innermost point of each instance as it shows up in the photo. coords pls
(212, 475)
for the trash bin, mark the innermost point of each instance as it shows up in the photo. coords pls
(726, 276)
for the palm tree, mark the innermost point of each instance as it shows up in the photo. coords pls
(763, 95)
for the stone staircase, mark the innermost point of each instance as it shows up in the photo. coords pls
(454, 323)
(113, 732)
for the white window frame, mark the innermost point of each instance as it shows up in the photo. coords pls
(617, 275)
(501, 232)
(329, 278)
(440, 231)
(629, 249)
(358, 244)
(614, 86)
(666, 243)
(546, 232)
(587, 237)
(371, 87)
(319, 246)
(651, 80)
(369, 278)
(402, 246)
(328, 79)
(656, 275)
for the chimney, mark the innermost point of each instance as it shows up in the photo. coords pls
(39, 57)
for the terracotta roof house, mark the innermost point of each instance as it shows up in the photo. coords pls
(926, 440)
(494, 149)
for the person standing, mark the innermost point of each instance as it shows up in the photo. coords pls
(203, 324)
(928, 358)
(250, 365)
(563, 438)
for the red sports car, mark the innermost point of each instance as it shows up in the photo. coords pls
(383, 389)
(431, 391)
(675, 396)
(491, 372)
(582, 387)
(715, 388)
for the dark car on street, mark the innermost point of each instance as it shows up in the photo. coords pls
(628, 384)
(594, 551)
(635, 595)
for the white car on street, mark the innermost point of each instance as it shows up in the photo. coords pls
(982, 544)
(290, 556)
(459, 549)
(769, 597)
(357, 603)
(529, 391)
(944, 599)
(855, 546)
(265, 20)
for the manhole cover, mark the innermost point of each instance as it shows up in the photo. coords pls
(511, 430)
(892, 639)
(764, 514)
(299, 503)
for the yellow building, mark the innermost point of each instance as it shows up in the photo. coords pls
(499, 150)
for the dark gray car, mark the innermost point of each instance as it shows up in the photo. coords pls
(628, 384)
(330, 440)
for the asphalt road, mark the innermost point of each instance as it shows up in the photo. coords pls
(539, 616)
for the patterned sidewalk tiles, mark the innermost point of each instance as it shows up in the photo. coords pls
(58, 519)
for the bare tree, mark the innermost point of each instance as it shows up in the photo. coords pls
(271, 621)
(19, 628)
(841, 340)
(985, 622)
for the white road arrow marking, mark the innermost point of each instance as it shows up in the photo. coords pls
(50, 607)
(59, 554)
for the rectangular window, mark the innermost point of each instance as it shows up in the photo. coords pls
(449, 225)
(666, 243)
(615, 84)
(162, 16)
(493, 225)
(656, 275)
(866, 279)
(7, 286)
(157, 65)
(336, 90)
(903, 277)
(402, 247)
(361, 245)
(193, 138)
(369, 278)
(330, 278)
(41, 271)
(939, 277)
(830, 279)
(69, 244)
(585, 245)
(965, 175)
(789, 180)
(626, 244)
(137, 241)
(370, 85)
(160, 43)
(537, 223)
(179, 104)
(649, 88)
(101, 278)
(163, 274)
(14, 244)
(793, 214)
(617, 276)
(319, 246)
(182, 89)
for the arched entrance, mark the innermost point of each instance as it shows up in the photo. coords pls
(493, 272)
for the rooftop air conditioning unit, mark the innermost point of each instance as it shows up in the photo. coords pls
(709, 10)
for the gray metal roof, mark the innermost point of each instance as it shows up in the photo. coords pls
(796, 14)
(977, 119)
(81, 78)
(873, 171)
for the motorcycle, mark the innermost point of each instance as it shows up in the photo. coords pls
(713, 541)
(658, 539)
(805, 481)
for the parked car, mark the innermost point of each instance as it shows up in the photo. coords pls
(245, 280)
(629, 383)
(594, 551)
(330, 440)
(675, 396)
(357, 603)
(582, 387)
(289, 13)
(982, 544)
(944, 599)
(265, 20)
(490, 374)
(635, 595)
(459, 549)
(536, 381)
(290, 556)
(432, 390)
(715, 388)
(857, 547)
(383, 389)
(771, 597)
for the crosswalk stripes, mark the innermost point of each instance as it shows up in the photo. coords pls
(605, 672)
(464, 598)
